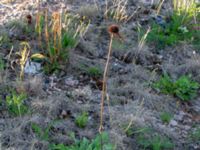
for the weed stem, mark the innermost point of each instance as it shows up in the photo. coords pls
(104, 83)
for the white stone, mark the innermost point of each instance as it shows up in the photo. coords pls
(32, 67)
(173, 123)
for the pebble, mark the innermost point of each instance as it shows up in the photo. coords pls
(83, 91)
(196, 147)
(71, 82)
(178, 117)
(63, 114)
(186, 121)
(32, 67)
(173, 123)
(184, 134)
(149, 2)
(187, 127)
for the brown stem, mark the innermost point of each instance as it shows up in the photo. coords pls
(104, 83)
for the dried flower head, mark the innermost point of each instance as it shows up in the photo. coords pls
(29, 19)
(114, 30)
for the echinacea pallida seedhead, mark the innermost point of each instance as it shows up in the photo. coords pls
(114, 30)
(29, 19)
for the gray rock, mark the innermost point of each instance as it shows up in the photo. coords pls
(149, 2)
(32, 67)
(173, 123)
(71, 82)
(178, 117)
(187, 127)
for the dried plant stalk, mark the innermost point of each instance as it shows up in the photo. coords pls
(104, 83)
(114, 31)
(24, 53)
(56, 29)
(38, 27)
(47, 33)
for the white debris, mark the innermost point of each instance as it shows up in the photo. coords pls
(32, 67)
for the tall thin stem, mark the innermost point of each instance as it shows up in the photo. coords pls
(104, 83)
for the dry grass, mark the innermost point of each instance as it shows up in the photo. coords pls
(117, 10)
(38, 27)
(76, 25)
(139, 101)
(142, 40)
(89, 11)
(186, 8)
(54, 25)
(47, 32)
(31, 85)
(159, 6)
(24, 54)
(57, 31)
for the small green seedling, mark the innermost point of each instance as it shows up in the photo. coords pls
(131, 130)
(15, 103)
(154, 142)
(82, 120)
(183, 88)
(165, 85)
(40, 133)
(94, 72)
(4, 40)
(100, 142)
(2, 64)
(166, 117)
(1, 101)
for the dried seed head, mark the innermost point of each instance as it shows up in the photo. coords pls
(113, 29)
(29, 19)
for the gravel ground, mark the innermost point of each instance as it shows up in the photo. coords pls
(131, 99)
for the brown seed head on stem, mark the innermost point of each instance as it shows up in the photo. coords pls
(114, 30)
(29, 19)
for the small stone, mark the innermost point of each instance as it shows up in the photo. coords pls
(80, 102)
(184, 134)
(187, 127)
(173, 123)
(196, 146)
(178, 117)
(182, 113)
(63, 114)
(32, 67)
(71, 82)
(187, 121)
